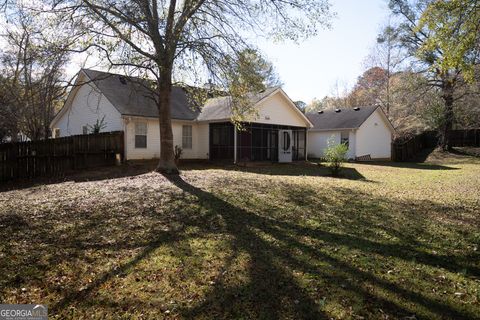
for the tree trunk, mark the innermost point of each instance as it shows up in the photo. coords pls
(447, 116)
(46, 132)
(388, 76)
(14, 135)
(167, 160)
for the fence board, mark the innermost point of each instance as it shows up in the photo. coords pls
(407, 150)
(55, 157)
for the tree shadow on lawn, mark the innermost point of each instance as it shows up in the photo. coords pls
(33, 247)
(130, 169)
(409, 165)
(455, 155)
(278, 249)
(135, 168)
(434, 159)
(273, 287)
(458, 155)
(469, 152)
(282, 169)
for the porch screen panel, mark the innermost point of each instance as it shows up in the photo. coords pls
(298, 144)
(258, 147)
(270, 138)
(244, 144)
(221, 141)
(258, 142)
(273, 147)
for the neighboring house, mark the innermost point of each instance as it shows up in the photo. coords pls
(366, 130)
(277, 131)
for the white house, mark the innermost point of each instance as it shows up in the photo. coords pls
(366, 130)
(277, 131)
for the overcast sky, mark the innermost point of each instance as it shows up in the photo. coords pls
(311, 68)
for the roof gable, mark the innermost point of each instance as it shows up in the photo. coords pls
(220, 108)
(278, 108)
(385, 119)
(80, 81)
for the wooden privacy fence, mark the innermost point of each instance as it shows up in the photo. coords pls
(55, 157)
(465, 138)
(407, 150)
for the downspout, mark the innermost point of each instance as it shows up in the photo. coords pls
(125, 144)
(354, 150)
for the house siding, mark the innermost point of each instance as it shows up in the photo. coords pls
(199, 148)
(276, 109)
(317, 142)
(88, 106)
(374, 138)
(352, 144)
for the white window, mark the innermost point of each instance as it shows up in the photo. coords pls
(140, 134)
(344, 137)
(187, 137)
(85, 130)
(56, 133)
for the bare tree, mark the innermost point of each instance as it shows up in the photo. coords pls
(32, 68)
(340, 93)
(8, 113)
(388, 55)
(301, 105)
(163, 40)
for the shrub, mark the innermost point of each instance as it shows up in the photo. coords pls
(177, 154)
(335, 155)
(99, 125)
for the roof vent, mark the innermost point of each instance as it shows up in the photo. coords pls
(337, 110)
(320, 112)
(356, 108)
(122, 79)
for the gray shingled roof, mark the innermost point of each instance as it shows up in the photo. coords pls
(220, 108)
(345, 119)
(132, 98)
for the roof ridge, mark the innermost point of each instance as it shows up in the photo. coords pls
(121, 75)
(347, 108)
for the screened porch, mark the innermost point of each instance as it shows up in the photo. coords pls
(255, 142)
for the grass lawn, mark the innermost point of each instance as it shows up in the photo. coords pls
(386, 241)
